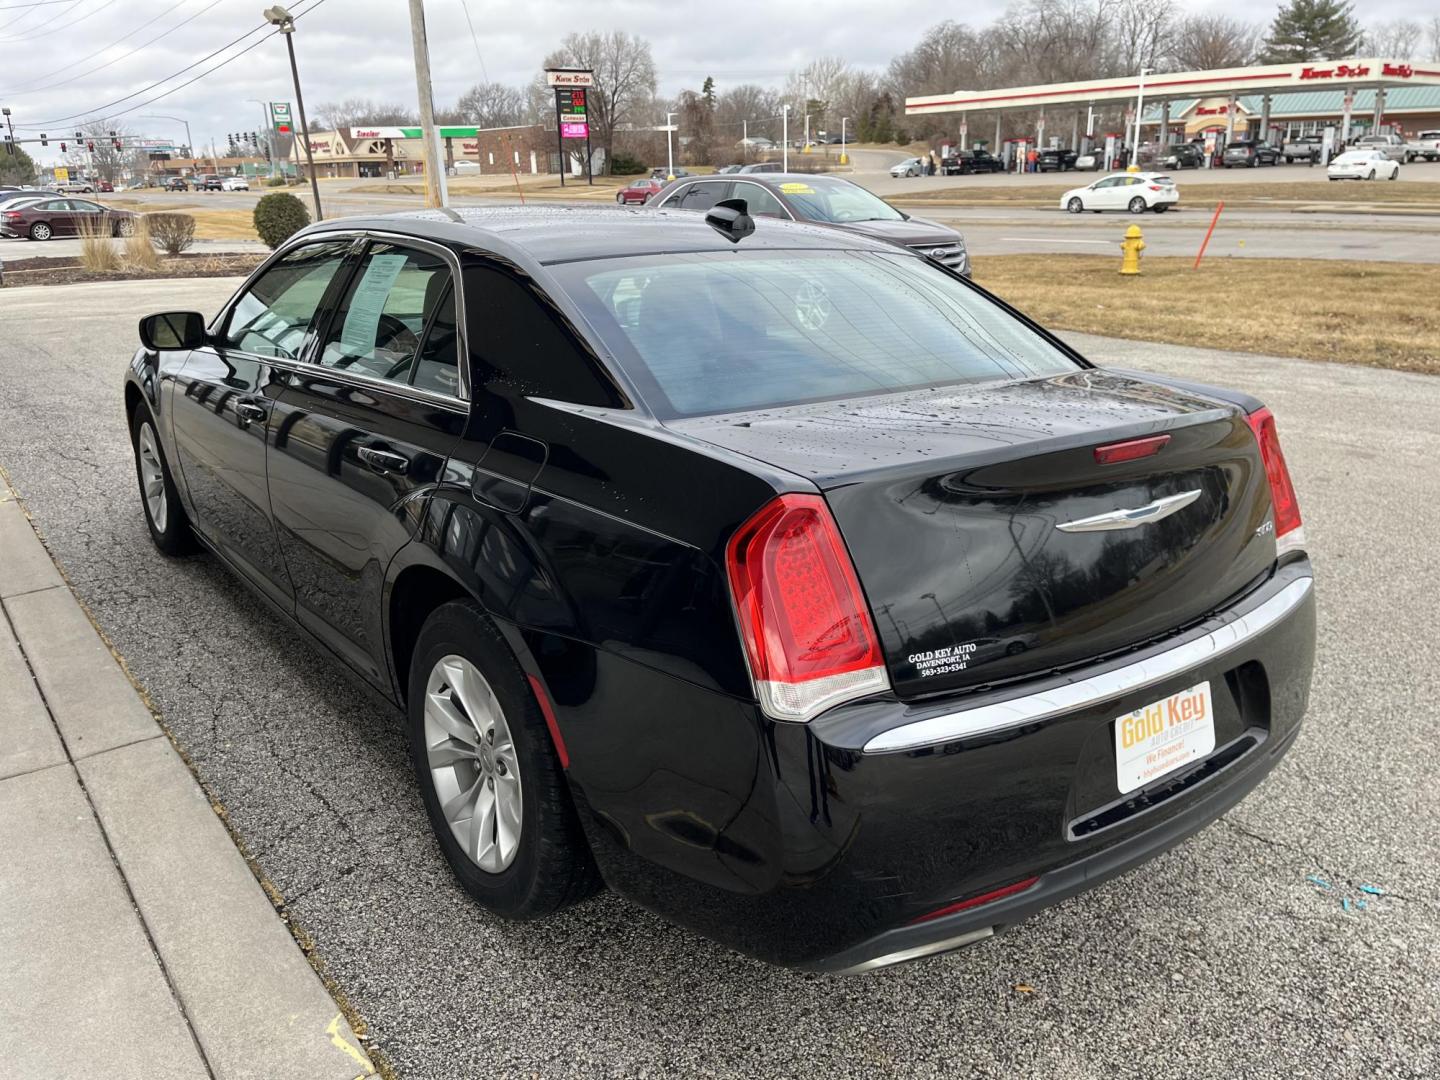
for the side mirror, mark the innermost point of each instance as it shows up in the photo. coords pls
(731, 219)
(172, 330)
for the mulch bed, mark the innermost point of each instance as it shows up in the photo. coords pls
(61, 270)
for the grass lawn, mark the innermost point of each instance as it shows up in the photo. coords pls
(1375, 313)
(1419, 195)
(238, 224)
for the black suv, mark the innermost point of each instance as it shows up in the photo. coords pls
(1056, 160)
(1182, 156)
(964, 162)
(1250, 154)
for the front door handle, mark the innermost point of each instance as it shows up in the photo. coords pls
(248, 411)
(385, 461)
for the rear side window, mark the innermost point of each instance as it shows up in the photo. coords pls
(273, 316)
(519, 344)
(731, 331)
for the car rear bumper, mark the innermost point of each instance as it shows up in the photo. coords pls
(829, 846)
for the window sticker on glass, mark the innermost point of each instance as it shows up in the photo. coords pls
(797, 189)
(363, 319)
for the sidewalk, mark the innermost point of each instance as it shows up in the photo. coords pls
(134, 940)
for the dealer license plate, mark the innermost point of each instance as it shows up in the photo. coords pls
(1163, 736)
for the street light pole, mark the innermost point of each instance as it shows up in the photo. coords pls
(283, 21)
(785, 138)
(1139, 107)
(670, 146)
(844, 157)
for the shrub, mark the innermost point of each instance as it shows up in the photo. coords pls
(139, 251)
(276, 181)
(623, 164)
(279, 216)
(173, 232)
(96, 251)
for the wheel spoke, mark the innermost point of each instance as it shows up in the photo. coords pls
(440, 709)
(450, 752)
(454, 808)
(480, 704)
(507, 815)
(482, 829)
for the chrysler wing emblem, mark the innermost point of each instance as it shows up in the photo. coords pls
(1130, 519)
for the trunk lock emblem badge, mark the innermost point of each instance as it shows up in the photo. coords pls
(1131, 519)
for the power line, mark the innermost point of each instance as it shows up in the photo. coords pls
(34, 4)
(67, 26)
(465, 7)
(103, 109)
(31, 88)
(47, 22)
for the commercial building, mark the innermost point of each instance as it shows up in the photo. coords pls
(399, 151)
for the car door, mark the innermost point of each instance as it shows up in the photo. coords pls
(1102, 194)
(362, 431)
(84, 213)
(56, 214)
(222, 404)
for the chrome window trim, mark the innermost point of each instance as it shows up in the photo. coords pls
(310, 369)
(305, 364)
(1092, 691)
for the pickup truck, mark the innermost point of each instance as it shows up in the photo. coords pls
(1392, 146)
(1425, 145)
(1305, 148)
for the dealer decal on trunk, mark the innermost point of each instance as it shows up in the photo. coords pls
(942, 661)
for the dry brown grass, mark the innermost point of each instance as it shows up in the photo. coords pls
(97, 248)
(139, 251)
(1375, 313)
(1285, 196)
(209, 224)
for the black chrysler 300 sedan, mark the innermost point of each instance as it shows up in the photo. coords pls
(776, 577)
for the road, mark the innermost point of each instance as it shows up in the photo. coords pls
(1218, 959)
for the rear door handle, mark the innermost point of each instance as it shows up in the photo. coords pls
(248, 411)
(383, 460)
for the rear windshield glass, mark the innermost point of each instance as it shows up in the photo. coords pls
(729, 331)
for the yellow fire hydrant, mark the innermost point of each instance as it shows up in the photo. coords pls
(1131, 246)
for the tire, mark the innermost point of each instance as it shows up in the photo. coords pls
(125, 227)
(1137, 205)
(1395, 175)
(549, 865)
(1160, 208)
(41, 231)
(1371, 176)
(164, 515)
(1075, 206)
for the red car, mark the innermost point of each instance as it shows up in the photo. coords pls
(62, 217)
(104, 185)
(639, 191)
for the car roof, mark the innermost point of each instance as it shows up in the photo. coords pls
(554, 234)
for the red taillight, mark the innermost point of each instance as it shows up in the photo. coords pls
(976, 901)
(807, 631)
(13, 215)
(1156, 187)
(1130, 450)
(1289, 535)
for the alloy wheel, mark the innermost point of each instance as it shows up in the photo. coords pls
(1075, 206)
(473, 763)
(152, 478)
(40, 231)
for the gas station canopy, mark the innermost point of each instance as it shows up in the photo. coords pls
(1269, 79)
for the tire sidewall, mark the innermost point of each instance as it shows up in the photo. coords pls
(460, 628)
(40, 231)
(175, 539)
(1075, 205)
(1143, 206)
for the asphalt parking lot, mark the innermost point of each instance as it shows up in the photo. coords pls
(1219, 959)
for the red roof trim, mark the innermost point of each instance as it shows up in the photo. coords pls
(1099, 90)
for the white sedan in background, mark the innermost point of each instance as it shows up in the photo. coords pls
(1134, 192)
(1364, 165)
(909, 167)
(235, 183)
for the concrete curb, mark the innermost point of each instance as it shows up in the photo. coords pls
(141, 943)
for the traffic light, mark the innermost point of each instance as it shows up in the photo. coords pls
(63, 148)
(79, 135)
(10, 145)
(90, 145)
(115, 140)
(44, 139)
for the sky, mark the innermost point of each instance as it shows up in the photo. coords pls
(51, 53)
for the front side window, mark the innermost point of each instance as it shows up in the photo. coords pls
(702, 196)
(731, 331)
(381, 321)
(274, 314)
(759, 202)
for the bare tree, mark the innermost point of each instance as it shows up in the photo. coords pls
(1432, 34)
(747, 107)
(1143, 32)
(361, 112)
(624, 79)
(1211, 42)
(1399, 39)
(492, 104)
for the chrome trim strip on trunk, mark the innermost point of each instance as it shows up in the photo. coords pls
(1091, 691)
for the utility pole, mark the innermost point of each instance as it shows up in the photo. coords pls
(785, 138)
(435, 186)
(670, 145)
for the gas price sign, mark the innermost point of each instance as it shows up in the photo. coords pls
(570, 108)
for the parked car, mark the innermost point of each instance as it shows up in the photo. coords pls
(47, 218)
(105, 187)
(726, 170)
(68, 187)
(756, 142)
(662, 174)
(638, 192)
(914, 166)
(1056, 160)
(1249, 153)
(762, 167)
(831, 201)
(177, 183)
(1132, 192)
(235, 183)
(1089, 161)
(1182, 156)
(209, 182)
(15, 199)
(965, 162)
(1364, 165)
(1392, 146)
(1305, 148)
(1426, 144)
(651, 535)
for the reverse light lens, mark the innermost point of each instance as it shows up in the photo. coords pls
(1289, 534)
(807, 631)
